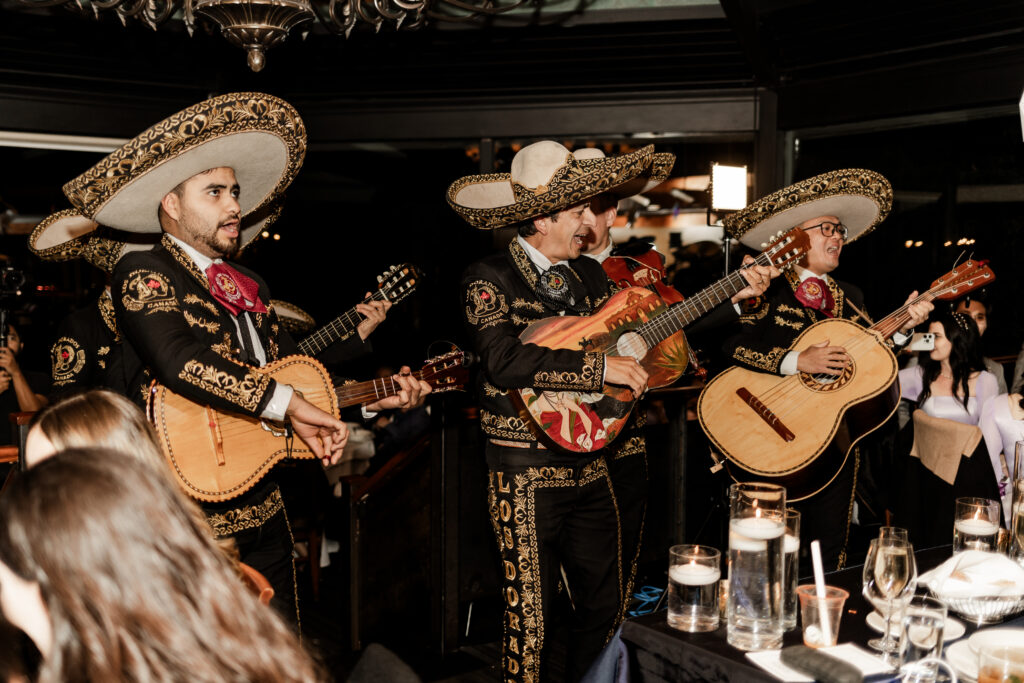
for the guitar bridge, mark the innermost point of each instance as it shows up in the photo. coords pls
(765, 414)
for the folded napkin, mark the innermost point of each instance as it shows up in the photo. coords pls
(848, 652)
(975, 573)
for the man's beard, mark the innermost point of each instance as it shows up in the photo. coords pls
(193, 227)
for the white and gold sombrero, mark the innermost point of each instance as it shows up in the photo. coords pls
(260, 136)
(661, 169)
(859, 198)
(545, 177)
(293, 318)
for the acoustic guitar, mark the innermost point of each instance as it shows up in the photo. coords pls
(217, 455)
(394, 284)
(772, 428)
(633, 322)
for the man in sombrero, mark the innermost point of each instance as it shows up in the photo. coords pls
(554, 511)
(209, 178)
(834, 209)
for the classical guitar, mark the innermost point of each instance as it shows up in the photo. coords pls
(773, 428)
(394, 284)
(216, 455)
(634, 322)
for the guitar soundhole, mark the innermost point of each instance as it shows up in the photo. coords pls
(632, 345)
(826, 383)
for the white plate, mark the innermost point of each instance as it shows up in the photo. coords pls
(961, 658)
(996, 637)
(952, 629)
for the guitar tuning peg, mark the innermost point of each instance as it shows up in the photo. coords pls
(764, 245)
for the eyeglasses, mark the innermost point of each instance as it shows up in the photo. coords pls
(828, 228)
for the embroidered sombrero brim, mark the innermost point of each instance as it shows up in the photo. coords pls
(659, 172)
(859, 198)
(260, 136)
(67, 235)
(490, 201)
(293, 318)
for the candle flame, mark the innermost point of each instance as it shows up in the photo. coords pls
(977, 514)
(757, 513)
(693, 563)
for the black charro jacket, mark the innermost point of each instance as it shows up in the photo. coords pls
(499, 301)
(87, 353)
(174, 327)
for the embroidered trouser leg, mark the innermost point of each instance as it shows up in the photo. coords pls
(826, 517)
(259, 526)
(628, 471)
(551, 512)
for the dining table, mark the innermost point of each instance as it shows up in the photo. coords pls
(658, 652)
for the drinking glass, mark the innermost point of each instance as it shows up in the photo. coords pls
(921, 635)
(791, 550)
(890, 578)
(1000, 664)
(894, 532)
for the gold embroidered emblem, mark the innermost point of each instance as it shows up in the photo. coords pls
(245, 393)
(199, 301)
(484, 305)
(149, 290)
(67, 358)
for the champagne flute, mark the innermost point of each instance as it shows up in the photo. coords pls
(890, 578)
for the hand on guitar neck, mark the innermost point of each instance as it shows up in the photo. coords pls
(325, 434)
(374, 311)
(918, 312)
(758, 278)
(410, 396)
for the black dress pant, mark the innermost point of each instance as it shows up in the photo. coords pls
(258, 524)
(826, 516)
(629, 483)
(553, 513)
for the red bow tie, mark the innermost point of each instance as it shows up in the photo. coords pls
(236, 291)
(814, 293)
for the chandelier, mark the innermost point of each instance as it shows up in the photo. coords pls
(256, 25)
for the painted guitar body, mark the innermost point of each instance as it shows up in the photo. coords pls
(586, 422)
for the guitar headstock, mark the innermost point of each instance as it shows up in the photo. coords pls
(398, 282)
(965, 278)
(447, 372)
(786, 249)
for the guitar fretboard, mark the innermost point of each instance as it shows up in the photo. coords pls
(339, 328)
(680, 315)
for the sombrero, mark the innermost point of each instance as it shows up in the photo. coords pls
(661, 168)
(67, 235)
(293, 318)
(859, 198)
(260, 136)
(545, 177)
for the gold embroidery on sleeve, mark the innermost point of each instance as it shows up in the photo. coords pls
(207, 325)
(149, 290)
(795, 324)
(67, 359)
(769, 361)
(197, 300)
(246, 392)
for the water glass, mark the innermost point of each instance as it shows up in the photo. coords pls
(791, 568)
(921, 634)
(693, 576)
(976, 524)
(1017, 522)
(757, 526)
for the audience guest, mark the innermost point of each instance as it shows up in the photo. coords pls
(131, 585)
(977, 307)
(1002, 423)
(97, 418)
(20, 391)
(1018, 373)
(949, 388)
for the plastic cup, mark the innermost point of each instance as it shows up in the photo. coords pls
(810, 614)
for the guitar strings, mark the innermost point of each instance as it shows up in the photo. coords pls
(319, 340)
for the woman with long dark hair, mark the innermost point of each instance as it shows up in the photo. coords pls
(949, 389)
(131, 584)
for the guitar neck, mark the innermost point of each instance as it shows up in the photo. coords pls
(339, 328)
(894, 322)
(372, 390)
(685, 312)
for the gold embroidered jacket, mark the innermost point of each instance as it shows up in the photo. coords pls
(771, 322)
(87, 351)
(499, 301)
(174, 326)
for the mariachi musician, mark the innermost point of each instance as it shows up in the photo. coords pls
(834, 209)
